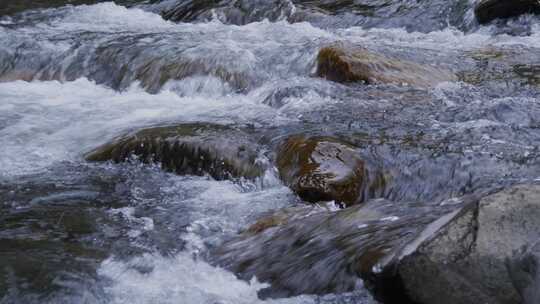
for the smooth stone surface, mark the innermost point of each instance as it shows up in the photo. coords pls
(197, 149)
(347, 63)
(322, 169)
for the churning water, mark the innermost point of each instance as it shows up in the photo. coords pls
(75, 77)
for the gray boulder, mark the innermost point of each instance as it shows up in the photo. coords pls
(524, 271)
(486, 252)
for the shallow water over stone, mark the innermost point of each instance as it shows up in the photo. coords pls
(75, 77)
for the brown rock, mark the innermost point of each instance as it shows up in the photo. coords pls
(322, 169)
(354, 64)
(277, 218)
(502, 66)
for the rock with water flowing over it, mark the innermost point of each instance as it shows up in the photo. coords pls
(488, 10)
(322, 169)
(237, 12)
(487, 252)
(345, 64)
(198, 149)
(504, 67)
(310, 249)
(10, 7)
(119, 63)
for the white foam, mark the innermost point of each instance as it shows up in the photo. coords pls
(214, 207)
(180, 279)
(224, 208)
(390, 219)
(55, 121)
(110, 17)
(447, 39)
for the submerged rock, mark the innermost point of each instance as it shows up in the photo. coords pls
(518, 75)
(473, 255)
(9, 7)
(314, 250)
(187, 11)
(487, 10)
(322, 169)
(181, 62)
(354, 64)
(237, 12)
(198, 149)
(503, 69)
(279, 218)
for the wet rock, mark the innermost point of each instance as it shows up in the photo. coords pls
(472, 255)
(196, 149)
(279, 218)
(154, 74)
(524, 271)
(237, 12)
(487, 10)
(529, 72)
(10, 7)
(187, 11)
(315, 250)
(322, 169)
(346, 64)
(414, 16)
(503, 67)
(124, 60)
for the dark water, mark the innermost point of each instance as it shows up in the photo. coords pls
(73, 77)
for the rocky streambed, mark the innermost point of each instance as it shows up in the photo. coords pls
(269, 151)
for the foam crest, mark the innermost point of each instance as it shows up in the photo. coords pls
(180, 279)
(51, 121)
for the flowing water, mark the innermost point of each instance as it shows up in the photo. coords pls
(75, 76)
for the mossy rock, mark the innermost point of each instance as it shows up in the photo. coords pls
(192, 149)
(346, 64)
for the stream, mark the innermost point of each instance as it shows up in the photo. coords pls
(76, 74)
